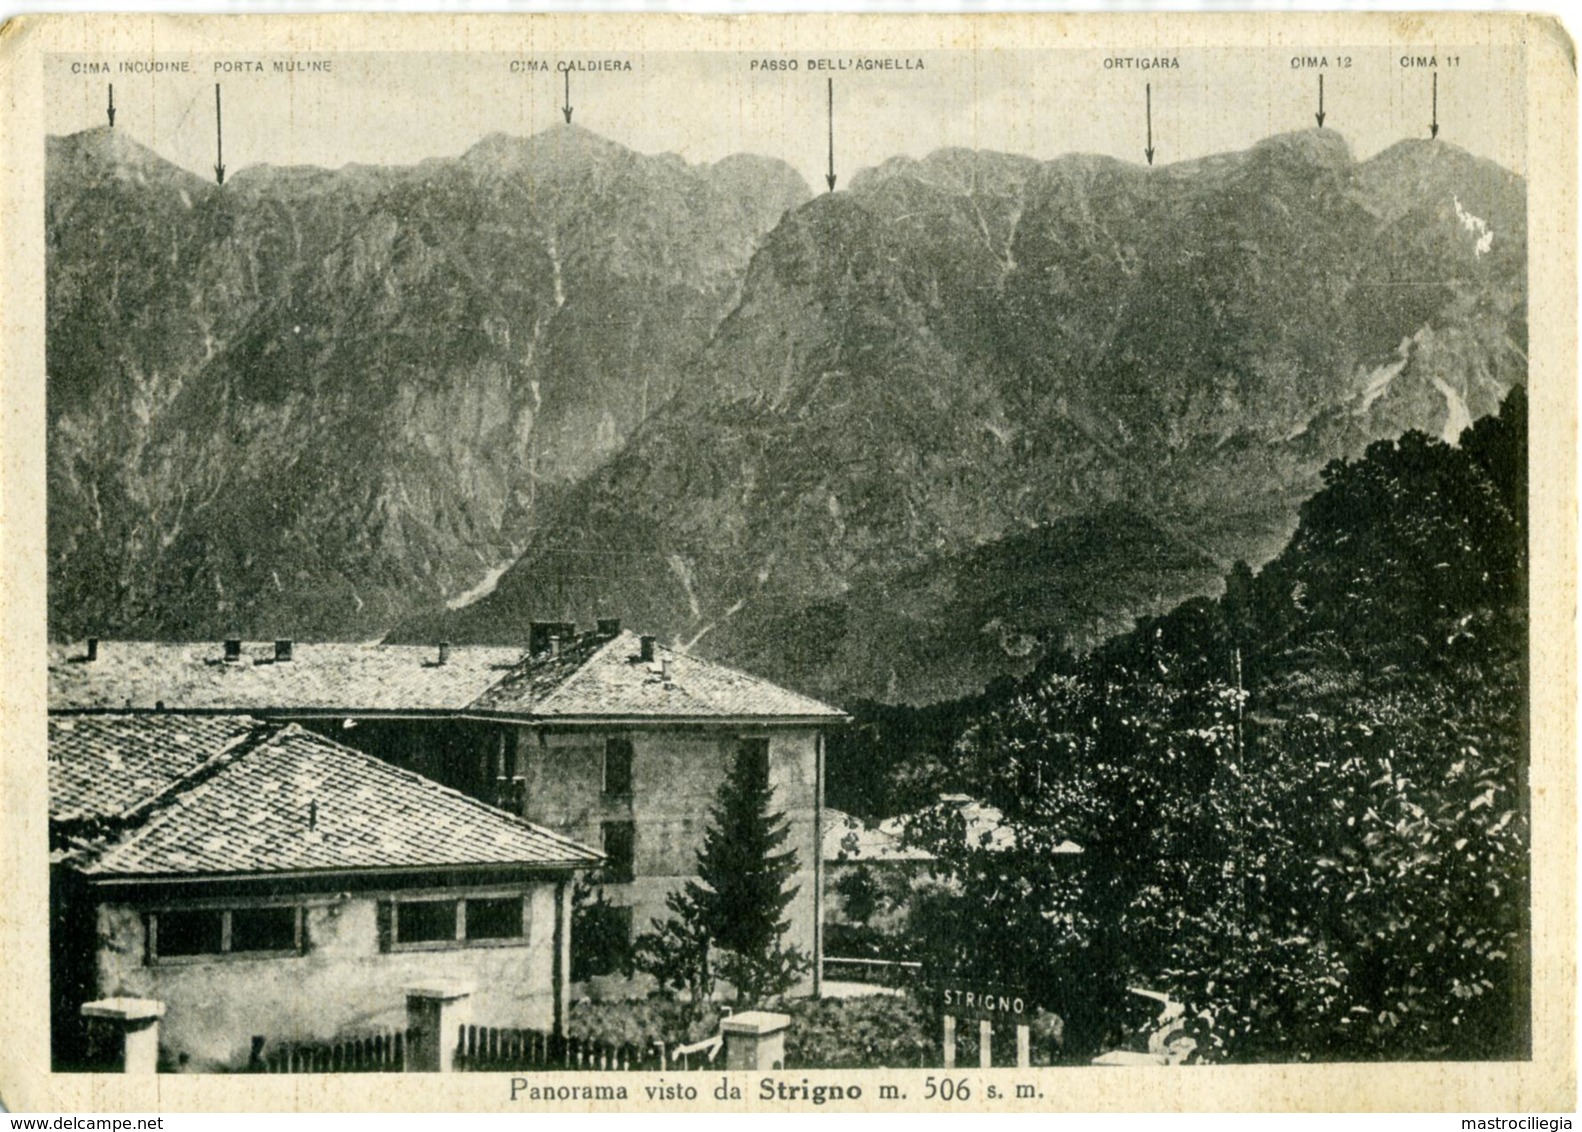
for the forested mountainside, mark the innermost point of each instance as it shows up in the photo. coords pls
(979, 409)
(1302, 807)
(891, 442)
(313, 402)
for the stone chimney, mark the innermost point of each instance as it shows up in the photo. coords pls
(282, 652)
(444, 652)
(609, 627)
(539, 633)
(93, 649)
(233, 650)
(647, 654)
(664, 669)
(554, 647)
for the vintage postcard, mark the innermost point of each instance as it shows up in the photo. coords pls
(667, 563)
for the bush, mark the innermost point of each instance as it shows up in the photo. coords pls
(860, 941)
(643, 1022)
(886, 1031)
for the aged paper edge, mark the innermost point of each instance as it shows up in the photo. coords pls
(1546, 1083)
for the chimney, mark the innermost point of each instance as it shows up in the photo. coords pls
(444, 652)
(282, 652)
(233, 650)
(93, 648)
(554, 647)
(647, 655)
(664, 669)
(609, 627)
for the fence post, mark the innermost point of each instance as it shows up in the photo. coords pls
(434, 1013)
(985, 1044)
(755, 1039)
(130, 1028)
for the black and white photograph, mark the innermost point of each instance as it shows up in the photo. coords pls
(582, 563)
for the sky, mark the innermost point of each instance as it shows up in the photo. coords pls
(386, 108)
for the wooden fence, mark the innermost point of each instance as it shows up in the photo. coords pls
(380, 1052)
(497, 1049)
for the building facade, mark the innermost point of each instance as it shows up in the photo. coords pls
(268, 885)
(607, 737)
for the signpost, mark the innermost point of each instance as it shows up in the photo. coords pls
(988, 1005)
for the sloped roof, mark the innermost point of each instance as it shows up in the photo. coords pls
(320, 676)
(102, 766)
(611, 680)
(592, 677)
(284, 799)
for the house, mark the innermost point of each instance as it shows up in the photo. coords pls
(870, 878)
(607, 737)
(982, 825)
(859, 859)
(268, 884)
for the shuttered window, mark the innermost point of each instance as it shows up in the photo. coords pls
(618, 766)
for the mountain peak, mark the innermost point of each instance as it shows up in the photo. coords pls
(568, 144)
(100, 152)
(1323, 149)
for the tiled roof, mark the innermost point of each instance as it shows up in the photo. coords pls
(102, 766)
(319, 677)
(288, 800)
(613, 680)
(593, 677)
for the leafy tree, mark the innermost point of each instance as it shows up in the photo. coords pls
(861, 894)
(1302, 807)
(601, 931)
(678, 950)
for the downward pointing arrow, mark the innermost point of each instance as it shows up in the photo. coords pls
(1148, 95)
(829, 178)
(1320, 114)
(111, 110)
(219, 141)
(1433, 129)
(566, 109)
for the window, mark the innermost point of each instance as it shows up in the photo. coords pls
(187, 933)
(434, 924)
(510, 794)
(494, 918)
(426, 921)
(755, 753)
(618, 765)
(264, 929)
(510, 782)
(619, 851)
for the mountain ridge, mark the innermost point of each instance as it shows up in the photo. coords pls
(823, 437)
(478, 337)
(958, 352)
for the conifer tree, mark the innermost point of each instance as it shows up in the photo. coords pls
(743, 887)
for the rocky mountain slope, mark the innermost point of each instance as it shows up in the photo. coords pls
(978, 408)
(313, 402)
